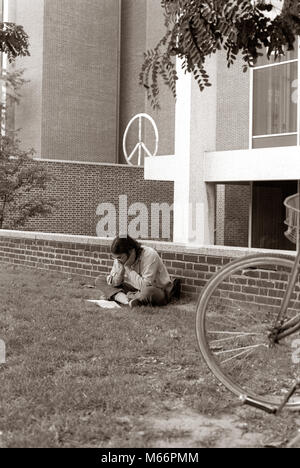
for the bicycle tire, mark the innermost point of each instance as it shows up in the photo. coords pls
(273, 266)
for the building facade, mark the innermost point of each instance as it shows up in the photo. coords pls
(83, 71)
(228, 157)
(238, 157)
(82, 90)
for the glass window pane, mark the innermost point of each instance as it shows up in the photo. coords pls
(272, 142)
(269, 214)
(275, 95)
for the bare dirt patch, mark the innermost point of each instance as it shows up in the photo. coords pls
(195, 431)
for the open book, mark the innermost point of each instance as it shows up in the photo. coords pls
(106, 304)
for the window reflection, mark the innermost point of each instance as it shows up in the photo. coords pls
(275, 99)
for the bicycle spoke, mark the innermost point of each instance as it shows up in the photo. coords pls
(233, 333)
(239, 349)
(245, 353)
(235, 337)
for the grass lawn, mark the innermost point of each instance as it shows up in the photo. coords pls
(80, 376)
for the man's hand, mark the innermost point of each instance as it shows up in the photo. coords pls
(121, 267)
(131, 259)
(109, 279)
(116, 276)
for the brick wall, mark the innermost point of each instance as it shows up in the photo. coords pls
(232, 106)
(232, 134)
(236, 215)
(82, 187)
(80, 80)
(91, 257)
(83, 73)
(91, 260)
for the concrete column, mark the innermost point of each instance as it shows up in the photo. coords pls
(182, 155)
(9, 7)
(195, 134)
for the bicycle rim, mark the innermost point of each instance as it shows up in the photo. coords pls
(235, 313)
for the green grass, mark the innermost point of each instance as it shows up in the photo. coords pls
(77, 375)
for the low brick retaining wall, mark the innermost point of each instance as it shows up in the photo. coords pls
(90, 256)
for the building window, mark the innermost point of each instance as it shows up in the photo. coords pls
(253, 214)
(275, 102)
(269, 214)
(274, 123)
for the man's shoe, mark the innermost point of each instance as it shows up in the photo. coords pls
(176, 289)
(134, 303)
(121, 298)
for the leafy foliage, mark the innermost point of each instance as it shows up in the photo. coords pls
(14, 41)
(196, 29)
(12, 81)
(22, 179)
(22, 182)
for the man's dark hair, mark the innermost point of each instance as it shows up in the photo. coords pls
(123, 245)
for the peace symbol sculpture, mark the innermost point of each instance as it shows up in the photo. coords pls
(140, 144)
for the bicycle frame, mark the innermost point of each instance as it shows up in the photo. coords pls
(282, 330)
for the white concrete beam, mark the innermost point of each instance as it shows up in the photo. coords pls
(253, 165)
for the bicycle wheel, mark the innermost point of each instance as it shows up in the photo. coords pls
(235, 313)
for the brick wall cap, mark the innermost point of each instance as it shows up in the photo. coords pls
(219, 251)
(89, 163)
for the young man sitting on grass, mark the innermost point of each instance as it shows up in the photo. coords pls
(138, 276)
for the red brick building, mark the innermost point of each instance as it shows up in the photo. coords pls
(82, 91)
